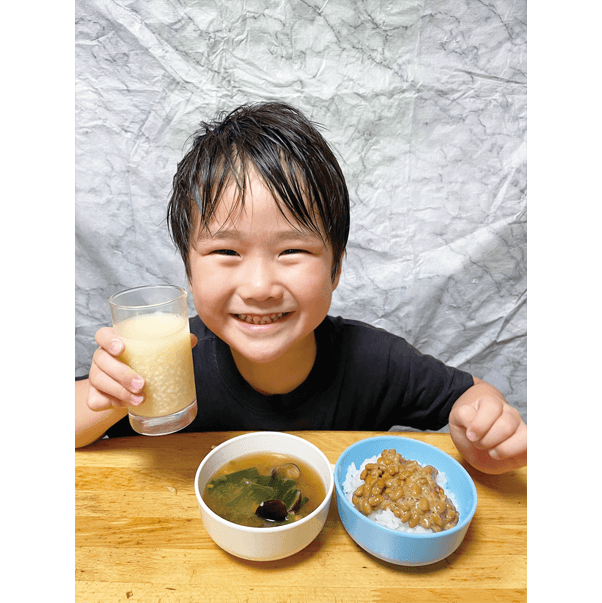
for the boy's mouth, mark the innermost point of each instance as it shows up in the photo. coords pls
(261, 319)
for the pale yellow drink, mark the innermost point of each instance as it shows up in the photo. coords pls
(157, 347)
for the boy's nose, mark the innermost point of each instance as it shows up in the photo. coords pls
(259, 282)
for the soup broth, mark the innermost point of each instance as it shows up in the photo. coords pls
(239, 488)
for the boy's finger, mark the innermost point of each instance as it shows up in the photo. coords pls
(109, 341)
(106, 392)
(115, 371)
(465, 416)
(98, 401)
(514, 447)
(488, 412)
(504, 428)
(193, 340)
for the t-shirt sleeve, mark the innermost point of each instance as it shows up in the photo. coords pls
(426, 388)
(388, 382)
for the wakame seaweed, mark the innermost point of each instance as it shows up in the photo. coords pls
(242, 491)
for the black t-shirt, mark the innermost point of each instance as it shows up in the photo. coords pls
(364, 378)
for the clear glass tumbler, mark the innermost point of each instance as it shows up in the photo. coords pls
(153, 323)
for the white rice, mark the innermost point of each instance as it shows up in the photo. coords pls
(384, 517)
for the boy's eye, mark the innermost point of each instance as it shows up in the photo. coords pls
(229, 252)
(292, 251)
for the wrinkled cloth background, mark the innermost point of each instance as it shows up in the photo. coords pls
(424, 103)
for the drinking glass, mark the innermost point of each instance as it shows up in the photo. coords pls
(153, 323)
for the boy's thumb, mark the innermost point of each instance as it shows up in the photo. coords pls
(464, 416)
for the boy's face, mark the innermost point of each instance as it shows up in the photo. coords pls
(259, 283)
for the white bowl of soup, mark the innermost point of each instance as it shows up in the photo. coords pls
(264, 495)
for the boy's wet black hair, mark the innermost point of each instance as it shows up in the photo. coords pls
(288, 154)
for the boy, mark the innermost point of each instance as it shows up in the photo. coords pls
(260, 214)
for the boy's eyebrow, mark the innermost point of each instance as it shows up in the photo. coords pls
(205, 234)
(235, 234)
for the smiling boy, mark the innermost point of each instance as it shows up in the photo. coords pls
(260, 214)
(264, 285)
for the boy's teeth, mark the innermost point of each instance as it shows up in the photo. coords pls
(262, 319)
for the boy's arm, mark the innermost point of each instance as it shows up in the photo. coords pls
(103, 398)
(90, 425)
(488, 432)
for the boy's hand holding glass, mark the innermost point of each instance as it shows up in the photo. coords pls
(113, 384)
(144, 362)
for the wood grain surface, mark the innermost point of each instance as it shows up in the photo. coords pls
(139, 536)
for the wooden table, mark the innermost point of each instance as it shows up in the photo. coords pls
(139, 536)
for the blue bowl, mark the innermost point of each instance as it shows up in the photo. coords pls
(405, 548)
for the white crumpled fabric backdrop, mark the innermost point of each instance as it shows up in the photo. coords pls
(424, 102)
